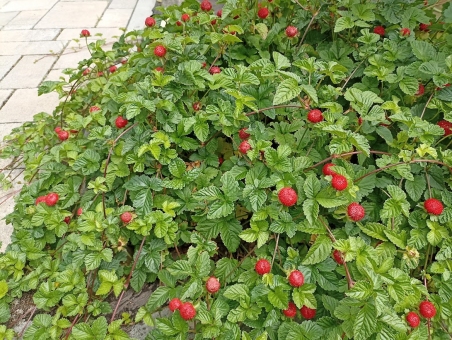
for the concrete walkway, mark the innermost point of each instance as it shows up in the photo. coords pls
(36, 44)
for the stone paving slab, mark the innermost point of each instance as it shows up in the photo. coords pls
(29, 35)
(74, 33)
(6, 63)
(24, 20)
(27, 5)
(122, 4)
(115, 17)
(6, 17)
(31, 47)
(4, 95)
(72, 55)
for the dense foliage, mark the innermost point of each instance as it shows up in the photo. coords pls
(281, 169)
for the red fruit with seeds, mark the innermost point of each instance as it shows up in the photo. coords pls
(40, 199)
(52, 199)
(214, 70)
(420, 90)
(67, 220)
(185, 17)
(315, 116)
(405, 32)
(447, 126)
(296, 278)
(427, 309)
(85, 33)
(291, 31)
(160, 51)
(79, 211)
(121, 122)
(360, 121)
(244, 147)
(187, 311)
(213, 22)
(206, 5)
(413, 319)
(213, 285)
(327, 169)
(57, 130)
(356, 211)
(63, 135)
(112, 69)
(337, 256)
(196, 106)
(100, 74)
(219, 13)
(243, 134)
(308, 313)
(339, 182)
(220, 160)
(149, 22)
(380, 30)
(433, 206)
(159, 69)
(126, 217)
(86, 71)
(262, 267)
(291, 311)
(287, 196)
(178, 23)
(94, 109)
(174, 304)
(262, 13)
(424, 27)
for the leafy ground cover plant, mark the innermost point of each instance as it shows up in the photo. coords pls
(281, 169)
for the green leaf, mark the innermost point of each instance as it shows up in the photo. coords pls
(423, 50)
(326, 198)
(365, 325)
(409, 85)
(287, 90)
(319, 251)
(311, 210)
(343, 23)
(3, 288)
(278, 298)
(158, 298)
(311, 186)
(281, 61)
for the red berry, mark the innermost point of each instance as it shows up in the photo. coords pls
(447, 126)
(52, 199)
(112, 69)
(244, 147)
(405, 31)
(339, 182)
(214, 70)
(380, 30)
(326, 169)
(187, 311)
(100, 74)
(433, 206)
(291, 31)
(213, 285)
(175, 304)
(424, 27)
(296, 278)
(121, 122)
(291, 311)
(159, 69)
(420, 90)
(94, 109)
(160, 51)
(413, 319)
(57, 130)
(263, 13)
(204, 64)
(86, 71)
(40, 199)
(126, 217)
(220, 160)
(356, 211)
(287, 196)
(360, 121)
(236, 17)
(213, 22)
(337, 256)
(149, 22)
(427, 309)
(308, 313)
(243, 134)
(74, 131)
(124, 61)
(85, 33)
(262, 267)
(185, 17)
(219, 13)
(196, 106)
(63, 135)
(178, 23)
(79, 211)
(67, 220)
(315, 116)
(206, 5)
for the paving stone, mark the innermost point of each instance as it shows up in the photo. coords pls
(28, 72)
(122, 4)
(24, 20)
(29, 35)
(27, 5)
(6, 17)
(143, 9)
(74, 33)
(31, 47)
(5, 129)
(73, 14)
(6, 63)
(25, 103)
(3, 2)
(54, 75)
(118, 17)
(4, 94)
(71, 56)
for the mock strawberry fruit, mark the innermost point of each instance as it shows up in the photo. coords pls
(447, 126)
(206, 5)
(433, 206)
(380, 30)
(420, 90)
(296, 278)
(262, 13)
(291, 31)
(40, 199)
(356, 211)
(52, 199)
(262, 267)
(326, 169)
(126, 217)
(196, 106)
(315, 116)
(337, 256)
(178, 23)
(424, 27)
(112, 69)
(160, 51)
(413, 319)
(244, 147)
(57, 130)
(94, 109)
(287, 196)
(427, 309)
(243, 134)
(86, 71)
(220, 160)
(63, 135)
(291, 311)
(67, 220)
(405, 32)
(213, 285)
(174, 304)
(79, 211)
(219, 13)
(214, 70)
(339, 182)
(185, 17)
(121, 122)
(159, 69)
(85, 33)
(187, 311)
(308, 313)
(149, 22)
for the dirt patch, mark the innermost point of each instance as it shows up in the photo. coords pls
(21, 309)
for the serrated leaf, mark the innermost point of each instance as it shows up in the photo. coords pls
(287, 90)
(365, 325)
(319, 251)
(278, 298)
